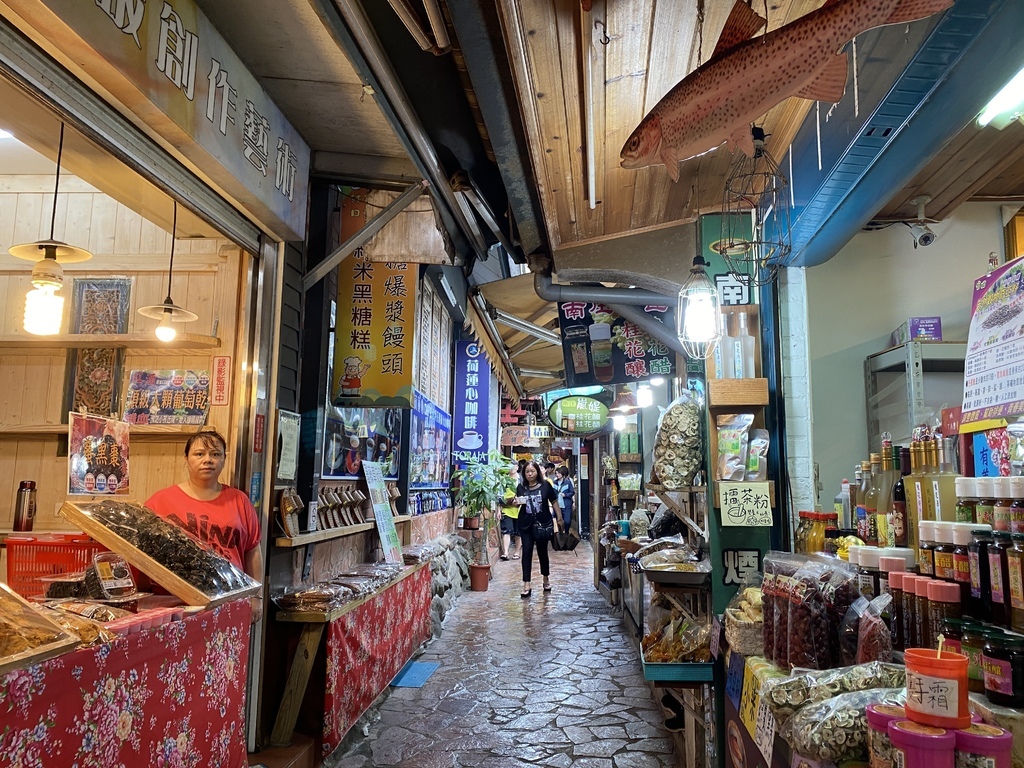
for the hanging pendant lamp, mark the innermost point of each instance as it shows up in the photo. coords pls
(625, 401)
(44, 309)
(169, 313)
(698, 321)
(756, 226)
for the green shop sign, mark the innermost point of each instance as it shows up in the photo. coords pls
(578, 414)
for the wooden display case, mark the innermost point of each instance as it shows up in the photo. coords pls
(12, 606)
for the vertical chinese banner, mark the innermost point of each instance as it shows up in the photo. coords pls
(471, 427)
(599, 347)
(373, 343)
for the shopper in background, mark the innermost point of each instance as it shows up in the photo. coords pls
(218, 515)
(537, 502)
(566, 493)
(509, 514)
(549, 472)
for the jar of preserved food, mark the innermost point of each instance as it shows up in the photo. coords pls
(1003, 662)
(943, 603)
(962, 559)
(952, 631)
(896, 609)
(983, 745)
(867, 572)
(966, 499)
(879, 746)
(1003, 498)
(972, 645)
(980, 606)
(1015, 581)
(986, 499)
(942, 552)
(922, 617)
(1017, 507)
(910, 639)
(999, 577)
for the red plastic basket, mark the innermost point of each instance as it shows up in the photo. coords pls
(29, 557)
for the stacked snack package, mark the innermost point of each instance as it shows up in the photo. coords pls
(807, 632)
(779, 569)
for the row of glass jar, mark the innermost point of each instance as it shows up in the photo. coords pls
(995, 659)
(994, 501)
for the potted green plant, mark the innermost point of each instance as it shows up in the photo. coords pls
(483, 484)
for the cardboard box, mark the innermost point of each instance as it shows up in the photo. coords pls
(917, 329)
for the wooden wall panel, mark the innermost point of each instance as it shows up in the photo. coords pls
(207, 280)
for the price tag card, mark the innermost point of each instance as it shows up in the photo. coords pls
(734, 679)
(716, 638)
(750, 700)
(746, 505)
(764, 733)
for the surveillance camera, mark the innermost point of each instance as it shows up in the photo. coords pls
(923, 235)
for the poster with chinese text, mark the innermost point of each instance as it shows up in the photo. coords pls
(471, 422)
(430, 444)
(167, 397)
(374, 328)
(97, 456)
(381, 502)
(599, 347)
(994, 366)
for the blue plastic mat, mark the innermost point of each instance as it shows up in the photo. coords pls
(415, 674)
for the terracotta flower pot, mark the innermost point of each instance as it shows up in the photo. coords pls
(479, 577)
(471, 523)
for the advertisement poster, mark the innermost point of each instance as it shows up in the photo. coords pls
(389, 541)
(430, 446)
(355, 435)
(167, 397)
(599, 347)
(994, 366)
(97, 456)
(578, 414)
(471, 421)
(374, 327)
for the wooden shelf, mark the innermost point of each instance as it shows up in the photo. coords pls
(132, 341)
(737, 393)
(332, 533)
(323, 617)
(135, 430)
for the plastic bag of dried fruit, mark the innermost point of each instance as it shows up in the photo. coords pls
(779, 569)
(786, 695)
(807, 630)
(678, 454)
(837, 729)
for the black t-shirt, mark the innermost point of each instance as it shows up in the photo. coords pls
(538, 503)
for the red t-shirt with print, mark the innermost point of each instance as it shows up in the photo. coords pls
(228, 523)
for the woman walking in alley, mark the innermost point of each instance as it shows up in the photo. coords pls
(538, 510)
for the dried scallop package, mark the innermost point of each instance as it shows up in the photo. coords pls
(677, 447)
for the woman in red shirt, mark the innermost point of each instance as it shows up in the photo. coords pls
(221, 516)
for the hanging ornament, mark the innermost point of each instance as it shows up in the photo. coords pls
(756, 228)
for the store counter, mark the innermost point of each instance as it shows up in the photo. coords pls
(368, 642)
(171, 695)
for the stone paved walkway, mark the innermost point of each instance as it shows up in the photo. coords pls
(551, 681)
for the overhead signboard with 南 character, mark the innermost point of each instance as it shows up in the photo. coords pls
(599, 347)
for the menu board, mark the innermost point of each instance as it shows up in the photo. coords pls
(389, 541)
(599, 347)
(994, 366)
(430, 444)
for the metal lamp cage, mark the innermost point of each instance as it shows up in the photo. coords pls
(756, 189)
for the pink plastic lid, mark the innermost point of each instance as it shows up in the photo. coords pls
(943, 592)
(880, 715)
(985, 739)
(896, 579)
(921, 586)
(906, 733)
(892, 564)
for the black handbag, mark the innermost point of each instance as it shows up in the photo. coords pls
(543, 532)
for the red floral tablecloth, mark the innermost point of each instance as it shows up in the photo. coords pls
(368, 646)
(170, 697)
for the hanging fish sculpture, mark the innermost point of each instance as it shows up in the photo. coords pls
(746, 76)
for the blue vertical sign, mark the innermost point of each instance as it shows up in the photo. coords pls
(471, 427)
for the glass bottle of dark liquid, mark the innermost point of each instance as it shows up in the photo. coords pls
(898, 524)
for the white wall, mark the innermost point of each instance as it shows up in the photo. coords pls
(796, 384)
(856, 299)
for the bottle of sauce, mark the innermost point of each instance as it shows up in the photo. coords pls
(942, 552)
(1000, 577)
(972, 645)
(962, 559)
(862, 499)
(886, 480)
(896, 608)
(985, 488)
(601, 351)
(899, 525)
(944, 485)
(1017, 508)
(1003, 502)
(1015, 573)
(922, 612)
(929, 483)
(871, 501)
(966, 500)
(943, 603)
(867, 572)
(925, 548)
(915, 495)
(980, 606)
(910, 639)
